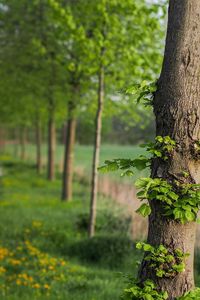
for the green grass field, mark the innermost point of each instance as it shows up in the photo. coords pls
(83, 154)
(83, 157)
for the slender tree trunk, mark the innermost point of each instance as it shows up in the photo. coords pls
(16, 143)
(69, 156)
(51, 147)
(2, 140)
(38, 147)
(177, 111)
(23, 136)
(96, 154)
(64, 133)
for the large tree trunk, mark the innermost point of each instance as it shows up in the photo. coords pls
(177, 111)
(38, 147)
(67, 188)
(97, 144)
(51, 148)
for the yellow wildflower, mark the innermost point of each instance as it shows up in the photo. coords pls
(15, 262)
(18, 282)
(26, 277)
(2, 270)
(3, 253)
(36, 224)
(19, 248)
(46, 286)
(36, 286)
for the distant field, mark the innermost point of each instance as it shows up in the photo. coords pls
(83, 154)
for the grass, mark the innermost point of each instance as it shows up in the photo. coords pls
(44, 249)
(83, 153)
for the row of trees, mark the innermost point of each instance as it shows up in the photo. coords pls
(61, 59)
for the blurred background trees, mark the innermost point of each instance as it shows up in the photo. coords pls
(64, 66)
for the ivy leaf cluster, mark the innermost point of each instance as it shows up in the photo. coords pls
(161, 148)
(146, 291)
(181, 203)
(154, 189)
(144, 92)
(162, 261)
(187, 205)
(192, 295)
(125, 165)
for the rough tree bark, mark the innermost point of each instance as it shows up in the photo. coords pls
(38, 147)
(97, 144)
(67, 187)
(51, 147)
(177, 111)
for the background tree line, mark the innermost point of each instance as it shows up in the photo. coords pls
(63, 65)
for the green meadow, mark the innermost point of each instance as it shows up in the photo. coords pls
(45, 251)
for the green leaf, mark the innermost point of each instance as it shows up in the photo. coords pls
(165, 295)
(179, 268)
(128, 173)
(159, 139)
(162, 249)
(110, 166)
(142, 195)
(190, 216)
(148, 297)
(148, 247)
(169, 258)
(142, 182)
(178, 214)
(144, 210)
(141, 163)
(160, 273)
(139, 245)
(178, 252)
(173, 195)
(150, 283)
